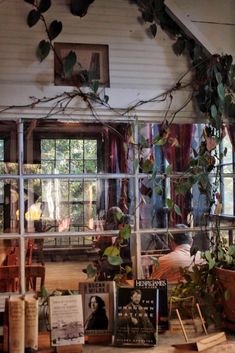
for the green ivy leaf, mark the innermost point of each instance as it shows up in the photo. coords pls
(169, 169)
(54, 29)
(218, 77)
(43, 292)
(214, 111)
(169, 203)
(115, 260)
(33, 18)
(159, 141)
(106, 99)
(125, 232)
(112, 251)
(159, 190)
(147, 166)
(44, 5)
(220, 91)
(43, 50)
(177, 210)
(128, 269)
(95, 86)
(68, 63)
(91, 271)
(227, 294)
(153, 29)
(179, 46)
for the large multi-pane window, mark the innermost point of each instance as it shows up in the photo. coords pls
(55, 201)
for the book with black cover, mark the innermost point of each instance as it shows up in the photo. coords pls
(161, 285)
(136, 316)
(98, 308)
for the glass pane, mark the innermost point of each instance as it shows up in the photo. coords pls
(77, 149)
(90, 166)
(47, 149)
(228, 202)
(62, 149)
(9, 206)
(62, 166)
(9, 261)
(90, 149)
(77, 167)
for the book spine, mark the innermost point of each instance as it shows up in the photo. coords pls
(31, 325)
(16, 324)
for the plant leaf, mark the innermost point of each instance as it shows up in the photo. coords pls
(115, 260)
(95, 86)
(54, 29)
(179, 46)
(106, 98)
(125, 232)
(218, 77)
(44, 5)
(169, 169)
(214, 111)
(159, 190)
(112, 251)
(68, 63)
(91, 271)
(43, 50)
(177, 210)
(153, 29)
(220, 91)
(33, 18)
(170, 203)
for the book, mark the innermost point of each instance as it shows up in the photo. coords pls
(66, 320)
(16, 306)
(161, 285)
(136, 316)
(31, 324)
(98, 309)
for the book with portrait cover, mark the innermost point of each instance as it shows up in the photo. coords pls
(136, 316)
(66, 320)
(98, 308)
(161, 285)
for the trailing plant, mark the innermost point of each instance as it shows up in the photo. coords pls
(212, 86)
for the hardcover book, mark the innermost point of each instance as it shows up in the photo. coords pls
(161, 285)
(16, 306)
(66, 320)
(98, 307)
(136, 316)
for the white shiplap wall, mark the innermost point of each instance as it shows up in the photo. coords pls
(140, 67)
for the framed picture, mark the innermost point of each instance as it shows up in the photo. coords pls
(92, 64)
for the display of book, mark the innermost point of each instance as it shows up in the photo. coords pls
(136, 316)
(66, 320)
(16, 309)
(21, 324)
(98, 307)
(161, 285)
(31, 324)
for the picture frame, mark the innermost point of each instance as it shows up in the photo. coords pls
(92, 64)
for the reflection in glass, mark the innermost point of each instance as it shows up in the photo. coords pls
(64, 205)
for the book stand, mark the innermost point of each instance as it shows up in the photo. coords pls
(203, 342)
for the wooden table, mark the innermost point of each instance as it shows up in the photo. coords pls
(165, 341)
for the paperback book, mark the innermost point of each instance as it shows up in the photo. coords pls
(66, 320)
(136, 316)
(98, 307)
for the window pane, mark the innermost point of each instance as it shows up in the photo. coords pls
(90, 149)
(77, 149)
(62, 149)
